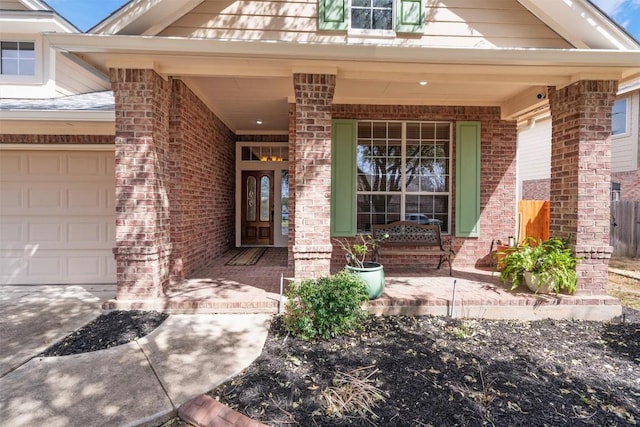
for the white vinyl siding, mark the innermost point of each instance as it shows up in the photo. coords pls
(458, 23)
(534, 152)
(624, 148)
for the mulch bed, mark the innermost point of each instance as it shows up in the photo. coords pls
(435, 371)
(106, 331)
(427, 371)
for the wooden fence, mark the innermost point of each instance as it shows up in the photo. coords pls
(533, 219)
(625, 228)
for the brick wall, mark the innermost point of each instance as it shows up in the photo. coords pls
(56, 139)
(202, 190)
(498, 171)
(142, 181)
(292, 174)
(629, 184)
(536, 189)
(580, 176)
(312, 175)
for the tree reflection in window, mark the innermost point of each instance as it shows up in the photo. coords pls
(403, 172)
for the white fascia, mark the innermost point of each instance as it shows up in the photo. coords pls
(581, 24)
(58, 115)
(34, 22)
(177, 46)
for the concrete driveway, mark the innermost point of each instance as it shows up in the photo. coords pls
(139, 383)
(34, 317)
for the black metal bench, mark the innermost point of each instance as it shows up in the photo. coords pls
(417, 239)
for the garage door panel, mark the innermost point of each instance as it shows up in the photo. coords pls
(77, 199)
(11, 232)
(12, 163)
(57, 217)
(10, 198)
(44, 266)
(45, 164)
(85, 166)
(61, 233)
(43, 233)
(86, 198)
(85, 265)
(85, 232)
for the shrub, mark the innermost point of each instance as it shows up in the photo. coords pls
(551, 259)
(325, 307)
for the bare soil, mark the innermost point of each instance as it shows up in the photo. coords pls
(623, 287)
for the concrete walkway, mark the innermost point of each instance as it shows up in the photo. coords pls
(140, 383)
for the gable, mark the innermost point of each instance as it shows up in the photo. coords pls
(450, 23)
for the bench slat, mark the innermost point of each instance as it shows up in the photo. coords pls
(407, 233)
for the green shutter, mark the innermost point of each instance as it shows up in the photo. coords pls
(410, 16)
(333, 15)
(467, 179)
(343, 178)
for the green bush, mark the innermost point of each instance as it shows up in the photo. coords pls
(325, 307)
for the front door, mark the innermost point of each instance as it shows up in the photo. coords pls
(257, 208)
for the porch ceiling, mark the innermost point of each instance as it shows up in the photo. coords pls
(244, 82)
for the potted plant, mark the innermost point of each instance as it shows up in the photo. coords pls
(356, 255)
(544, 266)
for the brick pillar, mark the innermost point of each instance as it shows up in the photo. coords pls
(312, 174)
(581, 176)
(142, 207)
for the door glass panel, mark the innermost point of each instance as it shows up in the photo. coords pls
(251, 198)
(264, 198)
(284, 202)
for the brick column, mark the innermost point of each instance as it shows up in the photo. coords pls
(312, 174)
(142, 208)
(581, 176)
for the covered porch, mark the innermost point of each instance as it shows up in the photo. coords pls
(221, 288)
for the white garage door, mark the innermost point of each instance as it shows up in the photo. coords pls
(57, 217)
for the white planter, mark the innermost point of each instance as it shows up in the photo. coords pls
(536, 285)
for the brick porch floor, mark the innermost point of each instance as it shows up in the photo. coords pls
(412, 291)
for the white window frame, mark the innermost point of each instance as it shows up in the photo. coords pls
(403, 191)
(37, 77)
(370, 31)
(627, 118)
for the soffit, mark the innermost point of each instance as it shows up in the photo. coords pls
(243, 82)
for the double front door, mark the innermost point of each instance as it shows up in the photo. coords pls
(257, 208)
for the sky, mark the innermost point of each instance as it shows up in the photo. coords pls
(84, 14)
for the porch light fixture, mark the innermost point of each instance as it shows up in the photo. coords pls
(423, 83)
(258, 122)
(270, 158)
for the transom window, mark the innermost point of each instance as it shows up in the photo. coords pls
(17, 58)
(619, 117)
(404, 171)
(372, 14)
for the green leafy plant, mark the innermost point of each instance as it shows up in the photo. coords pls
(357, 252)
(325, 307)
(550, 259)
